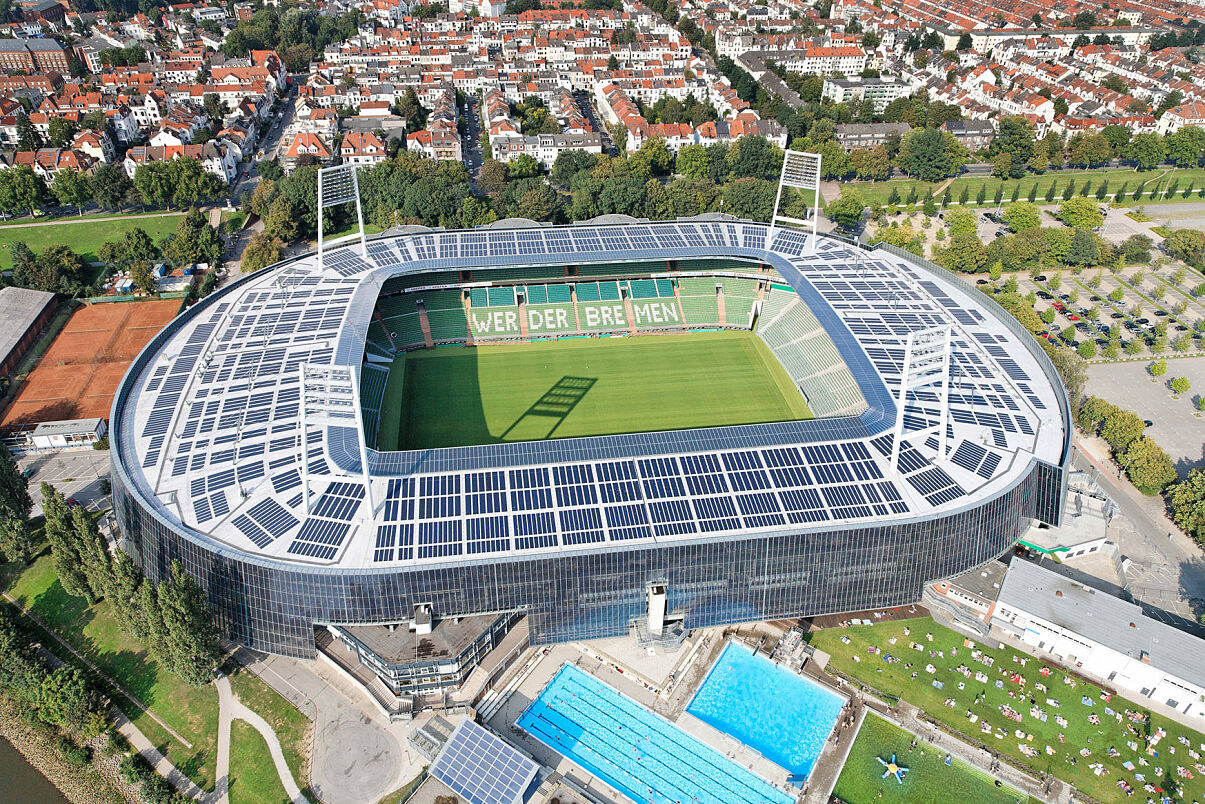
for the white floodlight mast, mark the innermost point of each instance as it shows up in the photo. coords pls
(340, 185)
(926, 365)
(800, 171)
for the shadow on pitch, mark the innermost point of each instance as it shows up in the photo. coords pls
(555, 404)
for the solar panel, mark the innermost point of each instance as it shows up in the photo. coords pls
(478, 766)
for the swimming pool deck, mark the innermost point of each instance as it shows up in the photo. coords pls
(529, 689)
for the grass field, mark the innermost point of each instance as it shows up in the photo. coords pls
(84, 236)
(985, 699)
(1116, 178)
(292, 728)
(458, 396)
(253, 778)
(928, 780)
(94, 631)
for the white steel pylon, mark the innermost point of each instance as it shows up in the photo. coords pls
(800, 171)
(926, 366)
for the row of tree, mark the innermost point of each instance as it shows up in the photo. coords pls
(172, 619)
(177, 183)
(1145, 463)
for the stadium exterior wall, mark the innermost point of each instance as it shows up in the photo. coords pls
(272, 606)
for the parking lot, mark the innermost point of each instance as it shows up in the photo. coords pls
(1175, 425)
(79, 474)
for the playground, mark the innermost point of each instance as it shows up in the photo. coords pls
(80, 372)
(1036, 715)
(927, 778)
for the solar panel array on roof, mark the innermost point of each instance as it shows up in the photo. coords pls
(477, 765)
(220, 426)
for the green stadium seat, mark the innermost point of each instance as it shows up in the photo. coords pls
(479, 297)
(550, 319)
(559, 294)
(665, 288)
(502, 297)
(642, 288)
(608, 291)
(536, 294)
(586, 291)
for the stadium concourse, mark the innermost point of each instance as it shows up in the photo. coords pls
(246, 437)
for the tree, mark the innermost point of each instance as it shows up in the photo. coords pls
(540, 203)
(871, 163)
(1086, 349)
(1084, 249)
(190, 638)
(931, 154)
(1188, 504)
(1186, 146)
(754, 199)
(262, 250)
(1136, 249)
(195, 241)
(1092, 150)
(1157, 369)
(655, 155)
(570, 163)
(847, 210)
(1015, 136)
(93, 551)
(523, 166)
(72, 188)
(1146, 150)
(153, 183)
(21, 190)
(1081, 213)
(965, 254)
(65, 699)
(1021, 215)
(1180, 385)
(142, 277)
(1121, 428)
(61, 131)
(57, 269)
(111, 186)
(1183, 244)
(1148, 467)
(961, 221)
(692, 161)
(15, 540)
(68, 563)
(28, 138)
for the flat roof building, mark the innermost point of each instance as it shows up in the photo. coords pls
(1103, 636)
(24, 314)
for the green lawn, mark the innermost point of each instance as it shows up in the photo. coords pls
(94, 631)
(1117, 179)
(1066, 762)
(458, 395)
(253, 778)
(291, 726)
(929, 779)
(85, 236)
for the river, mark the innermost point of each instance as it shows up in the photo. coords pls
(21, 783)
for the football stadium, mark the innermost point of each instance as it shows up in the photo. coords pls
(610, 428)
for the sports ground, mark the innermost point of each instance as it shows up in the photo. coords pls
(80, 372)
(462, 395)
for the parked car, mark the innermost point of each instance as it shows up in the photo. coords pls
(1161, 313)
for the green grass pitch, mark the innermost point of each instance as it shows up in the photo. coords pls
(459, 396)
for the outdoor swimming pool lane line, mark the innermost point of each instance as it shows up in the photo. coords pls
(783, 716)
(637, 752)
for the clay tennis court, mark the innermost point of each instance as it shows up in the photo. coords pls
(79, 373)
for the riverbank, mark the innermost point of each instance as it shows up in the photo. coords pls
(81, 784)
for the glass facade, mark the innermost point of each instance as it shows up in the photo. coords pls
(272, 606)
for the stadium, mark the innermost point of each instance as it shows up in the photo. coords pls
(611, 426)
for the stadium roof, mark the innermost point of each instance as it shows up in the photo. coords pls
(217, 421)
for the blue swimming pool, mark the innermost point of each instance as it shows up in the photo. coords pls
(783, 716)
(643, 756)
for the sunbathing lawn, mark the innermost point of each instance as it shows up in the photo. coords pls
(94, 631)
(929, 779)
(1012, 680)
